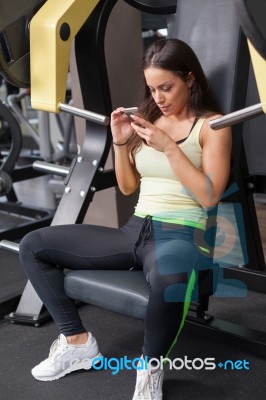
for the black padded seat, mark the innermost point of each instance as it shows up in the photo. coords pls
(125, 292)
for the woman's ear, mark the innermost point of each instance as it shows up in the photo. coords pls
(190, 79)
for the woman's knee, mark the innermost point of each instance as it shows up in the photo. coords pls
(173, 274)
(30, 244)
(177, 257)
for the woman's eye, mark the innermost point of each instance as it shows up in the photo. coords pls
(163, 89)
(166, 88)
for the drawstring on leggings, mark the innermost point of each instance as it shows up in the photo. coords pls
(144, 234)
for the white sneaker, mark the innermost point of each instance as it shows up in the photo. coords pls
(149, 385)
(65, 358)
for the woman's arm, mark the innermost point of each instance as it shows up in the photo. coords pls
(216, 160)
(206, 186)
(126, 173)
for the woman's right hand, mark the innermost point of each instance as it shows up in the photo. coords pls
(120, 126)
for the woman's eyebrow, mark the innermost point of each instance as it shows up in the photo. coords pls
(161, 85)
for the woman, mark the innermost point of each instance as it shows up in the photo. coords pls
(181, 167)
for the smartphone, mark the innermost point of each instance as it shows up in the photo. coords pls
(130, 110)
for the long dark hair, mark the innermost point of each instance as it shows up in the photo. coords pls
(176, 56)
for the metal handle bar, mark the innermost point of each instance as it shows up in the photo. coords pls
(10, 246)
(91, 116)
(237, 117)
(50, 168)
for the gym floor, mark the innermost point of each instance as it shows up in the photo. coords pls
(22, 347)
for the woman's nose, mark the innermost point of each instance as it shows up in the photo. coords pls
(158, 97)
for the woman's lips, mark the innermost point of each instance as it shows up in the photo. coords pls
(164, 108)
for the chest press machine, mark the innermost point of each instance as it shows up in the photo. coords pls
(212, 29)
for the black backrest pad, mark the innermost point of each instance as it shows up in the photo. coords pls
(252, 16)
(212, 29)
(154, 6)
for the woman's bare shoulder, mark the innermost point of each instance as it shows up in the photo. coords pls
(207, 133)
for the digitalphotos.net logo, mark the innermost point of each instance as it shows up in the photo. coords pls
(117, 365)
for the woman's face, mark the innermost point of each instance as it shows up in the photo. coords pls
(168, 90)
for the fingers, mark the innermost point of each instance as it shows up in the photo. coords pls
(140, 125)
(118, 115)
(140, 121)
(140, 130)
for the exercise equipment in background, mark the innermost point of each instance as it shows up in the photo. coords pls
(16, 219)
(14, 39)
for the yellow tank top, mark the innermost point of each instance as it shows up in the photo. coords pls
(161, 193)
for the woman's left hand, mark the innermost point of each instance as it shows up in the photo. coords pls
(153, 136)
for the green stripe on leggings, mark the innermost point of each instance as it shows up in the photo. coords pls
(174, 221)
(187, 301)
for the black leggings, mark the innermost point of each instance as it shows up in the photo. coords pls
(166, 253)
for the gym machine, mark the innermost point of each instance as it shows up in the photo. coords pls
(129, 293)
(254, 272)
(16, 219)
(256, 38)
(86, 173)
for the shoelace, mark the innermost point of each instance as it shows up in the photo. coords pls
(142, 385)
(54, 347)
(153, 381)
